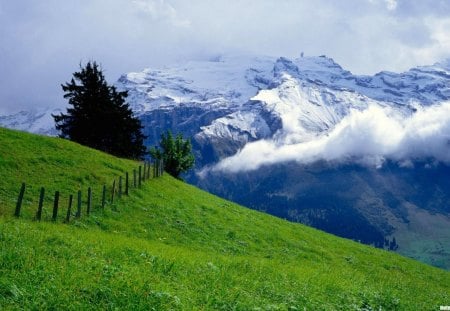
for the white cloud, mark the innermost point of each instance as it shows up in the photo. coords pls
(161, 10)
(391, 4)
(41, 42)
(368, 137)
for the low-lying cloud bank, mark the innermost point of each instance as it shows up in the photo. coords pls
(367, 137)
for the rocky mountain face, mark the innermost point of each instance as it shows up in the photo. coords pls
(363, 157)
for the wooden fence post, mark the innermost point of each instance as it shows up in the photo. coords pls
(78, 214)
(104, 196)
(127, 183)
(140, 176)
(55, 206)
(41, 204)
(113, 191)
(134, 178)
(145, 169)
(89, 201)
(19, 201)
(120, 187)
(69, 209)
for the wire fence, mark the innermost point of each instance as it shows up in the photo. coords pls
(77, 207)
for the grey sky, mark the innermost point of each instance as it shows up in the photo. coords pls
(43, 41)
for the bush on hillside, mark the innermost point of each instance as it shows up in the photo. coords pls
(175, 152)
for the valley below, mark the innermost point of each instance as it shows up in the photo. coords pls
(372, 206)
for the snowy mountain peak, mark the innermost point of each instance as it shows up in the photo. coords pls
(443, 65)
(283, 101)
(39, 121)
(285, 66)
(248, 98)
(235, 79)
(320, 64)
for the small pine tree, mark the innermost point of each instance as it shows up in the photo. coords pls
(99, 117)
(175, 152)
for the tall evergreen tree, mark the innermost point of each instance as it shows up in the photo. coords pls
(98, 116)
(176, 153)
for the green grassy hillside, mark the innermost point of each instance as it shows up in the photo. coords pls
(170, 246)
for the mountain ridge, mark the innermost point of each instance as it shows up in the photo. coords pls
(228, 82)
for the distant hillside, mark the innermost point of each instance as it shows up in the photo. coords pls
(171, 246)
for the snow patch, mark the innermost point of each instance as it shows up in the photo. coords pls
(34, 121)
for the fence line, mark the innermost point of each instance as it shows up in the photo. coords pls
(139, 176)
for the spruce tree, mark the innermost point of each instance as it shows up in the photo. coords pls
(98, 115)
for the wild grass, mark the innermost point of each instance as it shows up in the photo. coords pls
(171, 246)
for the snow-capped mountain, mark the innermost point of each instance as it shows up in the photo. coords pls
(249, 98)
(230, 81)
(39, 121)
(232, 100)
(221, 83)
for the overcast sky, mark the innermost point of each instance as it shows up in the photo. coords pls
(43, 41)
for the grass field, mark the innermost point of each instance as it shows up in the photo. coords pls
(171, 246)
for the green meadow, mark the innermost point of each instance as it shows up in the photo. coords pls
(171, 246)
